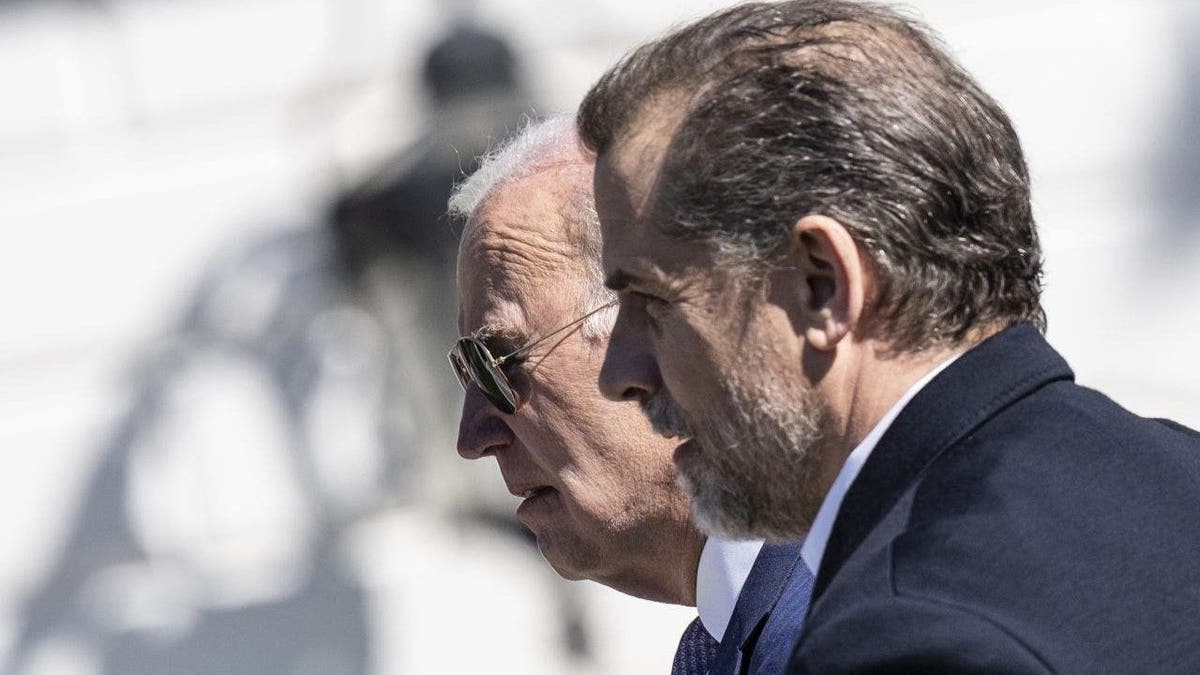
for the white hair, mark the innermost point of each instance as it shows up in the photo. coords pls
(532, 148)
(539, 145)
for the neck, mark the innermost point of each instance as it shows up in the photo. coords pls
(873, 380)
(669, 573)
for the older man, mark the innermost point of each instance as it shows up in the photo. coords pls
(821, 233)
(598, 486)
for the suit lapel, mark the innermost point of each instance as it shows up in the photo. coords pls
(770, 574)
(993, 374)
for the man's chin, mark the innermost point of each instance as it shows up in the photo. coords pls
(716, 519)
(728, 511)
(712, 513)
(558, 557)
(739, 524)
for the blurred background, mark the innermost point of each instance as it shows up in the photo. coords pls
(226, 421)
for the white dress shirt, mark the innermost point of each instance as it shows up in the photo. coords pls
(724, 566)
(814, 544)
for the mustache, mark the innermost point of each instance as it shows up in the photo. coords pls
(665, 417)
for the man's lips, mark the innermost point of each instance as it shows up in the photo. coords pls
(539, 504)
(531, 492)
(527, 490)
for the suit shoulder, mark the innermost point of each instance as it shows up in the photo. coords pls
(1063, 443)
(1029, 519)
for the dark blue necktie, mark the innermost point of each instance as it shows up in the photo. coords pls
(697, 649)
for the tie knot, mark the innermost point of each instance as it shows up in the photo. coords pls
(696, 652)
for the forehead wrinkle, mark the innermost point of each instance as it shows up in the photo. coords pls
(514, 266)
(492, 309)
(510, 266)
(521, 244)
(517, 210)
(517, 246)
(526, 232)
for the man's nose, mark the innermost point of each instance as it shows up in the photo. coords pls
(480, 430)
(629, 371)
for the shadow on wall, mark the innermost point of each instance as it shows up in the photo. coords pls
(189, 553)
(157, 574)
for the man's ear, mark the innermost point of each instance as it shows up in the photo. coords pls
(829, 277)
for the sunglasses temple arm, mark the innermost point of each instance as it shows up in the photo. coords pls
(556, 331)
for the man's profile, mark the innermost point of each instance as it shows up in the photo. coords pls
(598, 487)
(820, 229)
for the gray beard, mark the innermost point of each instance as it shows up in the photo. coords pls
(754, 476)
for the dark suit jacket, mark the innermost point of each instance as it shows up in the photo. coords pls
(1011, 521)
(768, 615)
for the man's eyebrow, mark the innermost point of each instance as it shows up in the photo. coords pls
(619, 280)
(493, 332)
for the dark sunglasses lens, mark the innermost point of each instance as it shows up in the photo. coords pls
(489, 378)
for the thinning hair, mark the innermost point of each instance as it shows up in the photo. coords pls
(850, 110)
(540, 145)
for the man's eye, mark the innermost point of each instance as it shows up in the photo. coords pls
(514, 364)
(654, 305)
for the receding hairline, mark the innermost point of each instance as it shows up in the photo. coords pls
(906, 147)
(540, 145)
(573, 175)
(551, 147)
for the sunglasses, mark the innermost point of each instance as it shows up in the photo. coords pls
(472, 362)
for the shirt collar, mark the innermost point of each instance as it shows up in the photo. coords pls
(818, 536)
(724, 566)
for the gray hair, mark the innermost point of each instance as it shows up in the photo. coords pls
(539, 145)
(850, 110)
